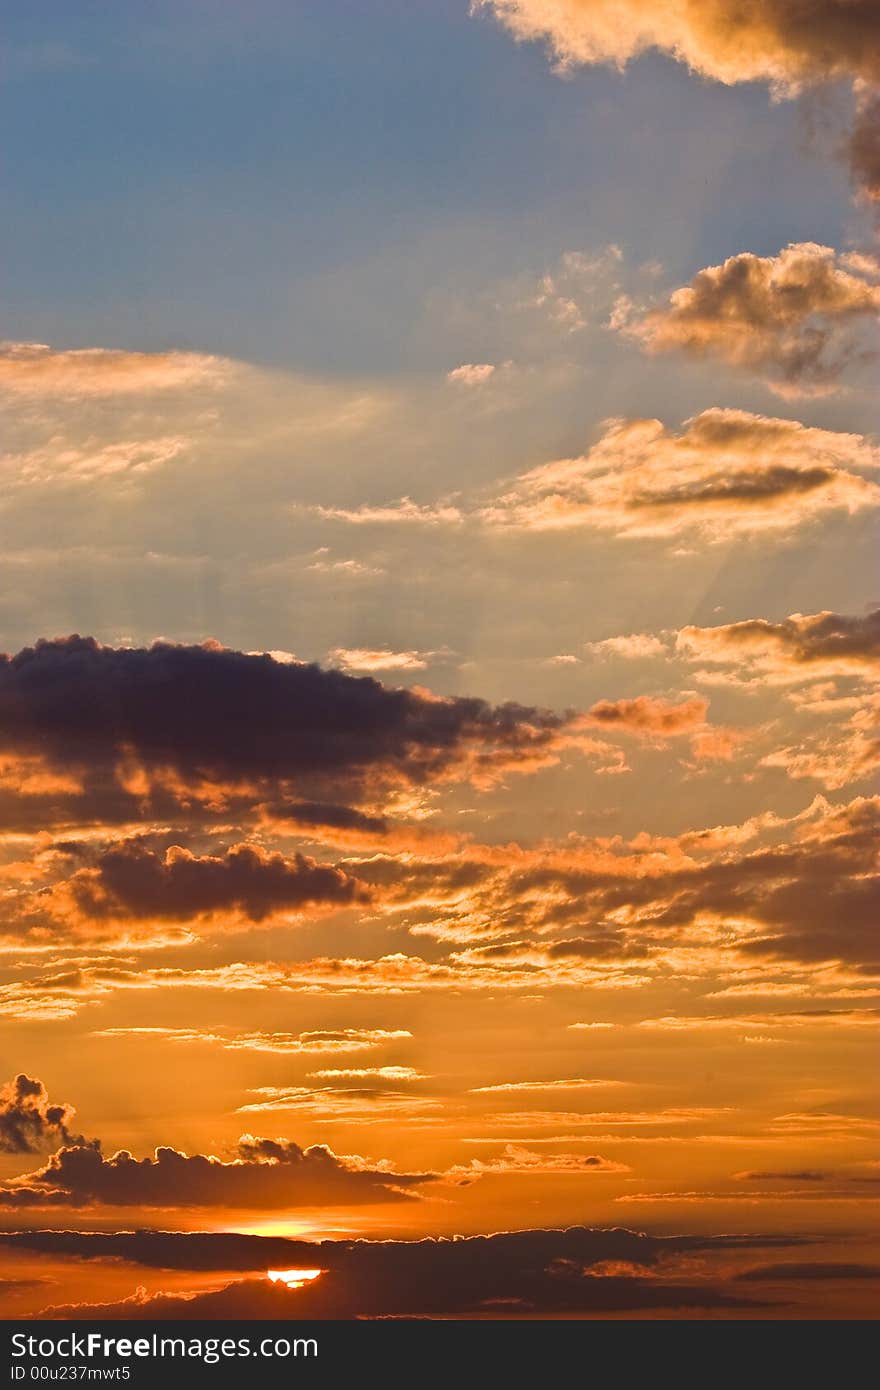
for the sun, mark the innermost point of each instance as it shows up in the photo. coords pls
(293, 1278)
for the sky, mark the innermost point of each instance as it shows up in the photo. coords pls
(438, 742)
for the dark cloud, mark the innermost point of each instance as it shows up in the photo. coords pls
(613, 945)
(797, 1175)
(571, 1271)
(316, 813)
(130, 880)
(29, 1121)
(265, 1174)
(799, 1272)
(554, 1291)
(230, 1250)
(863, 146)
(203, 727)
(812, 899)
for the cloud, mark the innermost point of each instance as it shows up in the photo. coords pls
(315, 1042)
(392, 1073)
(471, 373)
(265, 1174)
(657, 720)
(802, 647)
(635, 646)
(786, 318)
(89, 462)
(130, 880)
(791, 917)
(403, 512)
(851, 753)
(797, 1272)
(788, 44)
(532, 319)
(798, 1194)
(726, 473)
(509, 1273)
(804, 1018)
(371, 1101)
(810, 653)
(863, 145)
(652, 717)
(344, 569)
(34, 369)
(572, 1083)
(61, 991)
(372, 659)
(29, 1121)
(518, 1160)
(325, 816)
(236, 1251)
(807, 899)
(799, 1175)
(183, 727)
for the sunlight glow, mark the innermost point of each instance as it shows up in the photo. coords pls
(293, 1278)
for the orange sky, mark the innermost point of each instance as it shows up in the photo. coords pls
(463, 817)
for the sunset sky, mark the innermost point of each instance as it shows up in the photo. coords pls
(438, 724)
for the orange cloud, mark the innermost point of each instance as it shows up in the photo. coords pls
(652, 717)
(404, 512)
(786, 318)
(471, 373)
(375, 659)
(789, 44)
(514, 1159)
(316, 1041)
(726, 473)
(571, 1083)
(34, 369)
(372, 1102)
(804, 646)
(634, 646)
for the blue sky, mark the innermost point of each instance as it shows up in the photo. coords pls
(288, 183)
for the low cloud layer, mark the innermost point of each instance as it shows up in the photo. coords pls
(578, 1270)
